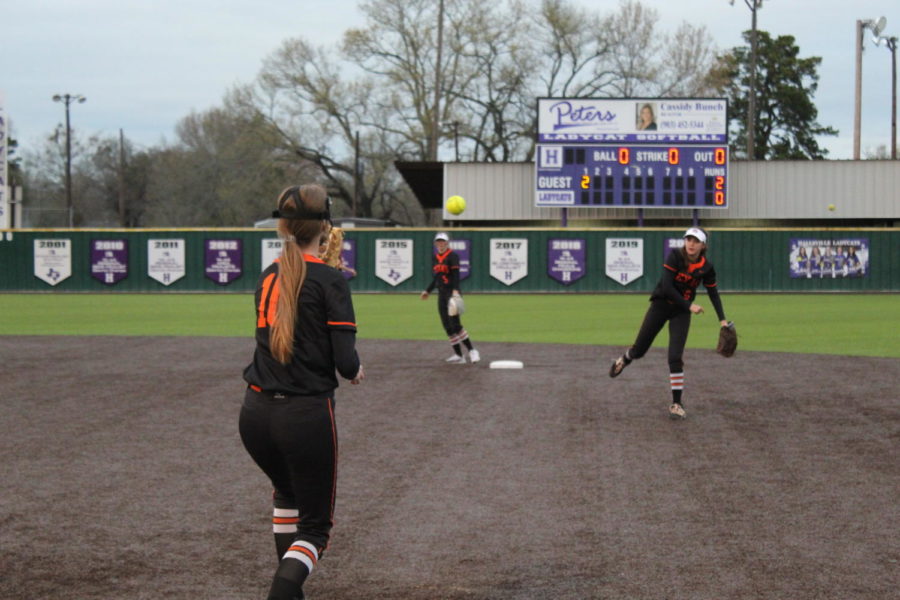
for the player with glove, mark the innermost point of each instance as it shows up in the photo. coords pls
(445, 265)
(672, 301)
(305, 338)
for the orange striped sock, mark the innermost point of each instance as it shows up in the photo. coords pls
(676, 382)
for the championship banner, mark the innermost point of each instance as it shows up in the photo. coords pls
(348, 257)
(624, 259)
(828, 259)
(109, 260)
(271, 249)
(509, 259)
(393, 260)
(463, 249)
(670, 244)
(53, 260)
(5, 207)
(165, 260)
(223, 260)
(566, 259)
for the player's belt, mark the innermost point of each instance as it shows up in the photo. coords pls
(284, 396)
(273, 395)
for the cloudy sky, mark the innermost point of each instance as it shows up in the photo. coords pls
(145, 64)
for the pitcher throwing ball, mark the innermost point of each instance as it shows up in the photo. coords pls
(305, 331)
(445, 266)
(672, 301)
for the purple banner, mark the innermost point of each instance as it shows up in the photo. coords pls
(348, 257)
(566, 259)
(463, 249)
(109, 260)
(670, 244)
(829, 259)
(223, 260)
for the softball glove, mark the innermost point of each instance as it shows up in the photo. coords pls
(728, 340)
(456, 306)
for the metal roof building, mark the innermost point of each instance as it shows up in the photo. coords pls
(797, 193)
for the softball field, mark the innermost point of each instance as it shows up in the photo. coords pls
(124, 477)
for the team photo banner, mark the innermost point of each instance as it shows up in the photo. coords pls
(662, 120)
(828, 259)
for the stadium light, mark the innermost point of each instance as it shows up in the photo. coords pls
(877, 26)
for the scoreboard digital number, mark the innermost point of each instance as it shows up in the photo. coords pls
(632, 175)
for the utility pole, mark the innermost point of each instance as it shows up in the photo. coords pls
(122, 178)
(436, 120)
(891, 43)
(753, 5)
(751, 108)
(68, 99)
(357, 180)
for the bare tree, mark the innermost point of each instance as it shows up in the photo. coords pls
(225, 170)
(315, 113)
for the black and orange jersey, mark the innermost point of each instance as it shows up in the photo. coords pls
(324, 334)
(680, 280)
(445, 267)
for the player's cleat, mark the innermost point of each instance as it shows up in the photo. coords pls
(676, 411)
(455, 359)
(618, 366)
(474, 356)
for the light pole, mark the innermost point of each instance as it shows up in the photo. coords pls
(436, 121)
(891, 43)
(876, 27)
(753, 5)
(68, 99)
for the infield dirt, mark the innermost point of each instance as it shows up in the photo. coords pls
(124, 476)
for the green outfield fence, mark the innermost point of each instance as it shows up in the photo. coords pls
(747, 260)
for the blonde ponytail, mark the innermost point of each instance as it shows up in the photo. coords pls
(296, 233)
(291, 273)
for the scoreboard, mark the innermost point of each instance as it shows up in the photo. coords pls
(632, 152)
(633, 175)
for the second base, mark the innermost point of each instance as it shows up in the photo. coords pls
(507, 364)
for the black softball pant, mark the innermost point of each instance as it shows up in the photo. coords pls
(293, 439)
(452, 325)
(679, 320)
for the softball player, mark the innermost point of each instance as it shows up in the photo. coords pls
(673, 300)
(445, 266)
(305, 330)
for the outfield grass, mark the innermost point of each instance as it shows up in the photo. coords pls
(861, 325)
